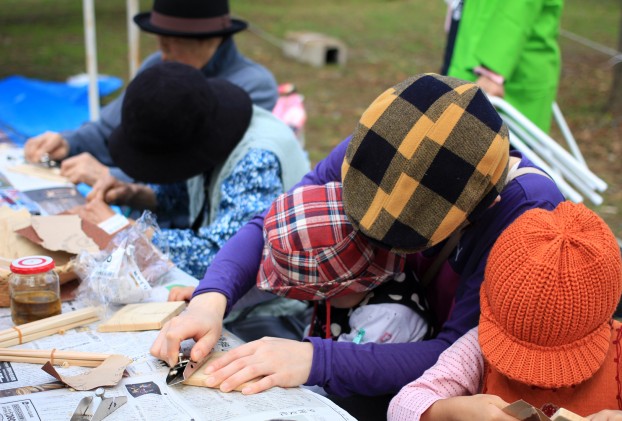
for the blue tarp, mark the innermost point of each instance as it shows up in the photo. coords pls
(30, 106)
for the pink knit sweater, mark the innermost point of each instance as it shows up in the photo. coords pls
(459, 371)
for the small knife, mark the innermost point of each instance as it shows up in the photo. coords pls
(184, 368)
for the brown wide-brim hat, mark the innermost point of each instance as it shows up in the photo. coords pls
(176, 124)
(190, 19)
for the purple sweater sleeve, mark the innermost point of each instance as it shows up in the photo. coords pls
(234, 269)
(344, 368)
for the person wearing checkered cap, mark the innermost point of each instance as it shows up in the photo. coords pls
(362, 293)
(428, 157)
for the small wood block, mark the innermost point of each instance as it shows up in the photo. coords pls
(198, 377)
(523, 411)
(144, 316)
(563, 414)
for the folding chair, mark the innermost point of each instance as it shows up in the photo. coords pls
(568, 169)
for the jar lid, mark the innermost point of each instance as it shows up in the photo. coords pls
(32, 264)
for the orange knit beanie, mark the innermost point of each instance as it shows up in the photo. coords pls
(552, 282)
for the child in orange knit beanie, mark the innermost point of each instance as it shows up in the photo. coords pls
(545, 335)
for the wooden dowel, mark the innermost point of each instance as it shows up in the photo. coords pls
(54, 320)
(60, 321)
(48, 323)
(49, 353)
(4, 343)
(57, 361)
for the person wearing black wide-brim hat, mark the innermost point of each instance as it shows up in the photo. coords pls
(209, 148)
(194, 32)
(193, 19)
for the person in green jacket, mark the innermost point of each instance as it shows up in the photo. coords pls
(510, 49)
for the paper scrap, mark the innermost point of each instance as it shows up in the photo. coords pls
(108, 373)
(63, 233)
(13, 245)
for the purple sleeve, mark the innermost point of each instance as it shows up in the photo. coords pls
(234, 269)
(344, 368)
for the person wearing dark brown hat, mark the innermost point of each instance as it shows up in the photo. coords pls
(232, 157)
(429, 158)
(545, 334)
(194, 32)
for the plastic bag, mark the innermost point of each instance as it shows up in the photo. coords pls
(127, 270)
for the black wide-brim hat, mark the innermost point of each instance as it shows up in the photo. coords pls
(176, 124)
(190, 18)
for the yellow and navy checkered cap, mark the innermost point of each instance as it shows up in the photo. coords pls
(428, 155)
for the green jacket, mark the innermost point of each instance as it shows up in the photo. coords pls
(518, 40)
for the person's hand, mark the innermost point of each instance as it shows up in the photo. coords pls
(50, 143)
(282, 362)
(490, 87)
(476, 407)
(111, 190)
(201, 321)
(180, 293)
(606, 415)
(95, 211)
(83, 168)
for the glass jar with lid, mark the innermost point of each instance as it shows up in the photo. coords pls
(34, 289)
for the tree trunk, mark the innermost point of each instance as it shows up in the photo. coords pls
(615, 99)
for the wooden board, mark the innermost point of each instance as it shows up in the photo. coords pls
(52, 174)
(198, 377)
(145, 316)
(563, 414)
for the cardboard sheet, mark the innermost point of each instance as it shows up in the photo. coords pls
(14, 245)
(99, 236)
(63, 233)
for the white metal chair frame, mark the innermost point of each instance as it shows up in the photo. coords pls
(568, 169)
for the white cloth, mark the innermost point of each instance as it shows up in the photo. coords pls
(385, 323)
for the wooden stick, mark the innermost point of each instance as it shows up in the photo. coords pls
(41, 334)
(57, 361)
(47, 323)
(55, 322)
(52, 353)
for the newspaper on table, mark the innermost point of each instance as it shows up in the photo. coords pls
(149, 397)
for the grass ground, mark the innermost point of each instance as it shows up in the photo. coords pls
(387, 40)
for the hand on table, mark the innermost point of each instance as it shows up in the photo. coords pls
(477, 407)
(94, 211)
(111, 190)
(281, 362)
(606, 415)
(83, 168)
(201, 321)
(180, 293)
(50, 143)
